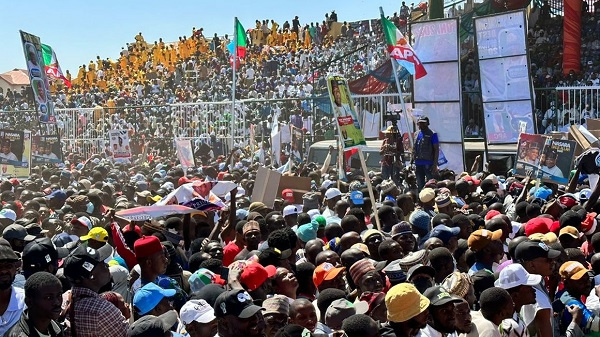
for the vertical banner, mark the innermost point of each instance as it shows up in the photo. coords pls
(21, 172)
(572, 37)
(344, 112)
(119, 145)
(504, 76)
(557, 160)
(529, 154)
(32, 48)
(185, 154)
(436, 43)
(46, 149)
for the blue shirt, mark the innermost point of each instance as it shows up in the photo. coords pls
(434, 140)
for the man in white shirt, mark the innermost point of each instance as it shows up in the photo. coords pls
(442, 316)
(6, 153)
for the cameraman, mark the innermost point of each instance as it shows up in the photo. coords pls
(391, 153)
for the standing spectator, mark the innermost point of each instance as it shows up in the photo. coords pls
(407, 311)
(12, 299)
(496, 306)
(237, 316)
(425, 153)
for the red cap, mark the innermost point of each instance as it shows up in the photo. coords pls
(475, 182)
(133, 228)
(146, 246)
(589, 224)
(183, 180)
(254, 275)
(325, 272)
(288, 195)
(15, 181)
(538, 225)
(491, 214)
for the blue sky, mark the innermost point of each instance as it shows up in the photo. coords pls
(80, 30)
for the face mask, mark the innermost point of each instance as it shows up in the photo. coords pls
(90, 208)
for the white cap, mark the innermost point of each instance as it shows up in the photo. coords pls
(196, 310)
(332, 193)
(290, 209)
(8, 214)
(493, 178)
(326, 183)
(515, 275)
(313, 213)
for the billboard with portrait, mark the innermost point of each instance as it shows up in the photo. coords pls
(32, 48)
(46, 149)
(529, 154)
(350, 132)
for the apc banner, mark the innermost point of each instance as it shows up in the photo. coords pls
(46, 150)
(32, 48)
(351, 134)
(529, 154)
(119, 144)
(185, 154)
(557, 160)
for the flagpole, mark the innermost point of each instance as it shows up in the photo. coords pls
(404, 112)
(235, 44)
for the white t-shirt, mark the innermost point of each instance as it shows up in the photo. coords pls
(529, 311)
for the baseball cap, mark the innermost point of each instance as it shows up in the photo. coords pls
(439, 296)
(8, 214)
(572, 270)
(198, 311)
(83, 221)
(82, 260)
(237, 303)
(570, 231)
(41, 252)
(290, 210)
(325, 272)
(254, 275)
(420, 269)
(530, 250)
(357, 198)
(403, 302)
(515, 275)
(288, 195)
(540, 225)
(341, 309)
(368, 233)
(276, 305)
(15, 231)
(480, 238)
(332, 193)
(423, 119)
(426, 194)
(97, 234)
(444, 233)
(153, 326)
(7, 254)
(148, 296)
(58, 195)
(202, 277)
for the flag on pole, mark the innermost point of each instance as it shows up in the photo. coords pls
(52, 67)
(400, 49)
(239, 42)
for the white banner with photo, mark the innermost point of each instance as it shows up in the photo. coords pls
(504, 121)
(439, 94)
(501, 35)
(119, 144)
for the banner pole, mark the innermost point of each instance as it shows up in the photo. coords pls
(235, 45)
(370, 187)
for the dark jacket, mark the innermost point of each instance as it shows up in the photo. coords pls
(25, 328)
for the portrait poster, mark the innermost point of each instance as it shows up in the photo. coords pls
(530, 148)
(119, 144)
(557, 160)
(21, 172)
(185, 154)
(46, 149)
(32, 48)
(350, 132)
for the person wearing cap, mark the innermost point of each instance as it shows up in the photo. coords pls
(153, 326)
(570, 237)
(256, 279)
(332, 196)
(17, 236)
(425, 152)
(327, 275)
(152, 260)
(366, 277)
(237, 315)
(427, 199)
(496, 306)
(290, 215)
(41, 255)
(197, 319)
(7, 217)
(421, 276)
(487, 247)
(537, 258)
(96, 238)
(448, 235)
(11, 297)
(407, 311)
(519, 284)
(442, 314)
(391, 152)
(252, 236)
(152, 300)
(43, 297)
(373, 238)
(89, 314)
(577, 284)
(341, 309)
(277, 311)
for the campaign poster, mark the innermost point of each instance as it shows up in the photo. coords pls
(351, 134)
(12, 149)
(119, 144)
(530, 148)
(46, 150)
(557, 160)
(185, 154)
(21, 172)
(32, 48)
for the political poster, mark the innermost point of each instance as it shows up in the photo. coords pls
(21, 172)
(119, 145)
(351, 134)
(32, 48)
(12, 149)
(45, 149)
(530, 148)
(557, 160)
(185, 153)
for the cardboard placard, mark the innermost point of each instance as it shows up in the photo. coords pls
(269, 184)
(529, 152)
